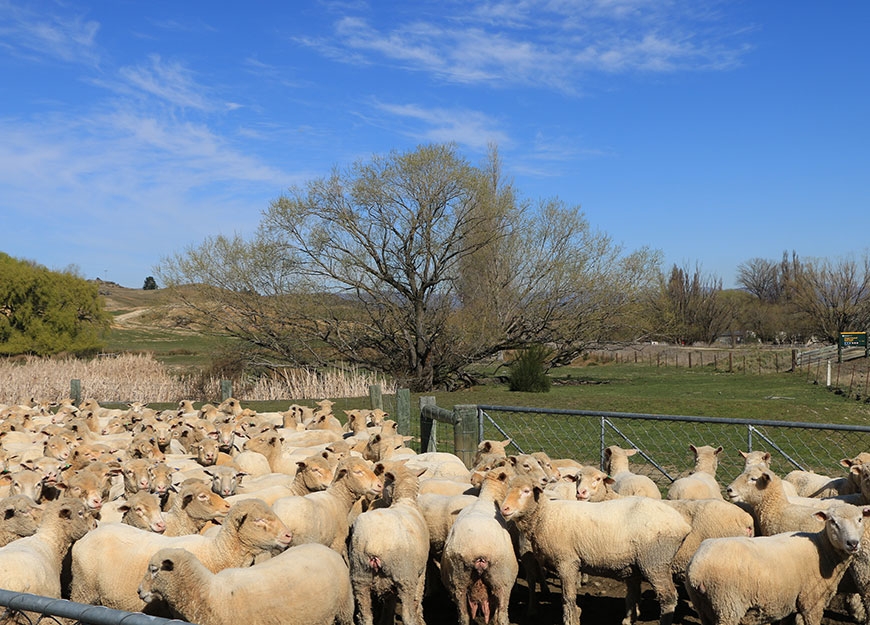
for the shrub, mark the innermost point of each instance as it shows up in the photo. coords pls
(528, 372)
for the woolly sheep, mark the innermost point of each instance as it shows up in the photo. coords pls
(313, 474)
(809, 484)
(593, 485)
(761, 489)
(388, 549)
(772, 577)
(489, 450)
(440, 512)
(193, 507)
(33, 564)
(701, 483)
(305, 585)
(19, 517)
(141, 510)
(109, 562)
(625, 482)
(322, 517)
(479, 565)
(631, 538)
(709, 518)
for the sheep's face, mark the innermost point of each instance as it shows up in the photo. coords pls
(522, 496)
(844, 526)
(749, 486)
(261, 530)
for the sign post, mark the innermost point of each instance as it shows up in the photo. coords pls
(851, 339)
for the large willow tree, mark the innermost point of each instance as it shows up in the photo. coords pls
(416, 264)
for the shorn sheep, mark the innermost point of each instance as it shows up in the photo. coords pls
(631, 538)
(305, 585)
(768, 578)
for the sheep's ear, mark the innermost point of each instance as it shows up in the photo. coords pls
(486, 446)
(185, 501)
(124, 507)
(821, 515)
(8, 513)
(764, 480)
(302, 464)
(743, 453)
(608, 452)
(631, 452)
(241, 520)
(167, 565)
(718, 450)
(64, 513)
(379, 468)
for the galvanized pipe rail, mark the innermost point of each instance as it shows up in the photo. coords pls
(85, 613)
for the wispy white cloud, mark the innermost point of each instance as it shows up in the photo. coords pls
(465, 127)
(39, 36)
(167, 80)
(547, 43)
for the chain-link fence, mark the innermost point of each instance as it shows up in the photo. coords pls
(664, 440)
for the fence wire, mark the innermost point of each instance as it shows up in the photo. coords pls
(664, 440)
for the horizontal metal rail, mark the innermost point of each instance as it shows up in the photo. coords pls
(95, 615)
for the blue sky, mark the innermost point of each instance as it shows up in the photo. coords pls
(716, 132)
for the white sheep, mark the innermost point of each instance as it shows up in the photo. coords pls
(305, 585)
(624, 481)
(19, 517)
(192, 507)
(322, 517)
(631, 538)
(479, 565)
(762, 490)
(709, 518)
(701, 483)
(772, 577)
(810, 484)
(33, 564)
(388, 549)
(109, 562)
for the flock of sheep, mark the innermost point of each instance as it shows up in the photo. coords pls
(220, 514)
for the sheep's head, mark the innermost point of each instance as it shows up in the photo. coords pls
(258, 527)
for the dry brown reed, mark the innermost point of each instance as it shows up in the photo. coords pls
(141, 378)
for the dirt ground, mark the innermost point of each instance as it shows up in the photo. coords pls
(601, 603)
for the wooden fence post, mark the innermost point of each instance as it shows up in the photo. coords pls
(375, 397)
(226, 389)
(428, 430)
(75, 391)
(465, 432)
(403, 411)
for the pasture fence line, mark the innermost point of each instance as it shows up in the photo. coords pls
(663, 440)
(847, 374)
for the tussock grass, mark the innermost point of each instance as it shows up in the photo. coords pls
(141, 378)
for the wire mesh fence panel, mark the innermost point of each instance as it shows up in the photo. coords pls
(664, 440)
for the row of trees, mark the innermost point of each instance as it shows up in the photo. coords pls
(420, 263)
